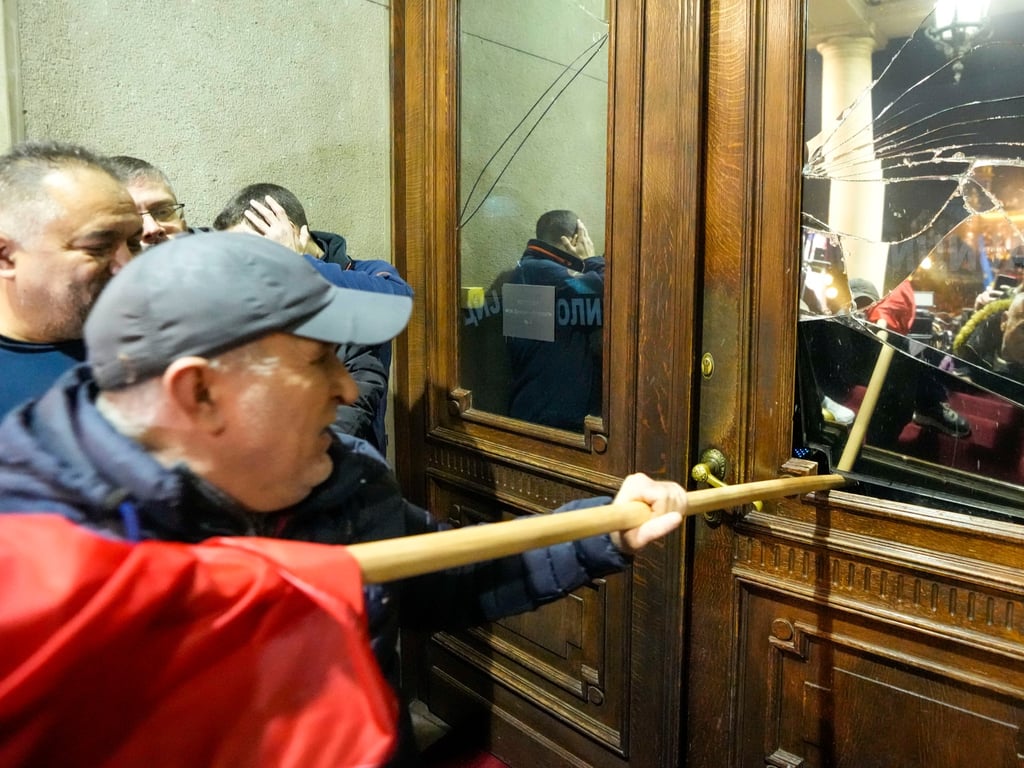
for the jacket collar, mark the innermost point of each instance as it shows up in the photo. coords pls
(94, 468)
(334, 248)
(538, 249)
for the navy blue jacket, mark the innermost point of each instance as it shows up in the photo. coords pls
(60, 455)
(558, 382)
(369, 366)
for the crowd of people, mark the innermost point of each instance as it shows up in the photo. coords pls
(165, 383)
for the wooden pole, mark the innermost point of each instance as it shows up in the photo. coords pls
(400, 558)
(867, 405)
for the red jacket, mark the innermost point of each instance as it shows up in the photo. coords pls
(897, 309)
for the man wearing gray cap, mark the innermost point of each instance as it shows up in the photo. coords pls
(206, 410)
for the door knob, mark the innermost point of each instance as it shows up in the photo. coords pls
(711, 470)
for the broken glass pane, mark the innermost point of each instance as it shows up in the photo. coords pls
(913, 219)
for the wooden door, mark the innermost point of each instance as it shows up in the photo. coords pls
(845, 628)
(750, 224)
(839, 629)
(594, 679)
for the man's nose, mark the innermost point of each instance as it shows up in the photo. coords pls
(152, 230)
(345, 388)
(122, 256)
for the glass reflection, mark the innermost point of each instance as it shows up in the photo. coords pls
(532, 144)
(913, 216)
(911, 452)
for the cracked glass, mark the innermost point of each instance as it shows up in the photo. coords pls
(913, 240)
(533, 116)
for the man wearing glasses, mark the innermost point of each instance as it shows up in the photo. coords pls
(163, 217)
(67, 226)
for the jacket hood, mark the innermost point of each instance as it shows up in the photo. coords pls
(334, 248)
(59, 454)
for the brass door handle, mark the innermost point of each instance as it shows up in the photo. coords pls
(711, 470)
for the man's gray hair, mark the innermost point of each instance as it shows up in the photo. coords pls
(129, 170)
(133, 410)
(25, 203)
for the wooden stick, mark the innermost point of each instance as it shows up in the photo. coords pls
(401, 558)
(710, 499)
(867, 405)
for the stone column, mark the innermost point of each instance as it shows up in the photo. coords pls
(857, 191)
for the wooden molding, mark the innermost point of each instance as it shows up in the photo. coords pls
(967, 601)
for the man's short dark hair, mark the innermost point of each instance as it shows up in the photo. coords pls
(23, 198)
(553, 225)
(233, 213)
(130, 169)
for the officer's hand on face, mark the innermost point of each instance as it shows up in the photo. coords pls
(580, 244)
(271, 221)
(668, 504)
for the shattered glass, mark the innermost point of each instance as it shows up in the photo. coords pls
(913, 225)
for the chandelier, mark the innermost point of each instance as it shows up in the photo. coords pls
(956, 26)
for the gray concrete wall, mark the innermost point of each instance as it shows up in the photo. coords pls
(223, 93)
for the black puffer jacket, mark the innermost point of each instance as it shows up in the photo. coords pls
(369, 365)
(60, 455)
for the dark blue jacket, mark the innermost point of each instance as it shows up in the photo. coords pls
(558, 382)
(369, 366)
(60, 455)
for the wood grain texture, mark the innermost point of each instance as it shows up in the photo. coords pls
(653, 181)
(807, 634)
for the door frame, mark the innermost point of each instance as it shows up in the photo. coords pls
(655, 198)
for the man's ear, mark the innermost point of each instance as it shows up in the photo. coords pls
(188, 384)
(8, 246)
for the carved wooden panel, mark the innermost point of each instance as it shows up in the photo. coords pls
(566, 658)
(871, 585)
(823, 687)
(527, 489)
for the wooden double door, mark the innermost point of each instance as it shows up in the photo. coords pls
(830, 630)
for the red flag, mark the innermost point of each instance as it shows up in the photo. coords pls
(231, 653)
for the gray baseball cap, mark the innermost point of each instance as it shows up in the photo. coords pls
(206, 293)
(863, 292)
